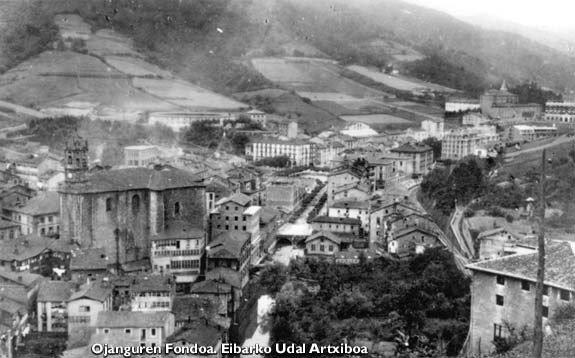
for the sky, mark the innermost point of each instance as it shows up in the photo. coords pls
(553, 15)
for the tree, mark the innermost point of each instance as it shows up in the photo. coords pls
(239, 142)
(204, 133)
(435, 144)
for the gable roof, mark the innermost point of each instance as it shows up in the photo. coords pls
(211, 286)
(113, 180)
(98, 290)
(409, 230)
(25, 279)
(228, 245)
(238, 198)
(412, 148)
(559, 266)
(152, 283)
(199, 333)
(324, 234)
(129, 319)
(55, 291)
(180, 230)
(334, 220)
(43, 204)
(90, 259)
(352, 204)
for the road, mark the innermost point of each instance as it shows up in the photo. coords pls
(559, 140)
(303, 217)
(22, 110)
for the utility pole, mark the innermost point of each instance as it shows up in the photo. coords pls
(538, 322)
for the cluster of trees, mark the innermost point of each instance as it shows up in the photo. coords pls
(464, 183)
(282, 161)
(531, 92)
(204, 133)
(313, 213)
(307, 199)
(426, 296)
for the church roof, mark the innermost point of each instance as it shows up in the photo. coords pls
(159, 178)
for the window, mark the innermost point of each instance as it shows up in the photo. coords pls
(227, 218)
(545, 311)
(128, 331)
(500, 280)
(177, 208)
(322, 248)
(84, 309)
(108, 204)
(244, 218)
(564, 295)
(153, 332)
(525, 285)
(236, 218)
(330, 248)
(243, 228)
(545, 290)
(135, 204)
(235, 227)
(106, 331)
(499, 300)
(497, 331)
(50, 219)
(313, 247)
(43, 231)
(227, 227)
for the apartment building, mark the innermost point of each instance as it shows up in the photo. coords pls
(503, 293)
(300, 152)
(560, 112)
(418, 155)
(457, 144)
(140, 155)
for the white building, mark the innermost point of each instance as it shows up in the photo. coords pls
(358, 130)
(257, 116)
(561, 112)
(522, 132)
(461, 105)
(474, 119)
(300, 152)
(182, 120)
(457, 144)
(140, 155)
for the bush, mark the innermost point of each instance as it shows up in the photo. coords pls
(509, 218)
(565, 312)
(511, 340)
(495, 211)
(468, 213)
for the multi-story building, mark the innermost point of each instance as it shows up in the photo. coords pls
(182, 120)
(134, 328)
(355, 209)
(9, 230)
(522, 132)
(461, 105)
(326, 154)
(341, 177)
(235, 214)
(283, 195)
(457, 144)
(339, 225)
(474, 120)
(152, 293)
(40, 215)
(504, 105)
(140, 155)
(323, 244)
(503, 293)
(560, 112)
(178, 251)
(229, 258)
(52, 303)
(85, 304)
(358, 130)
(418, 158)
(121, 210)
(300, 152)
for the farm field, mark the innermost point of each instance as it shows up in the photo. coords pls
(376, 119)
(309, 75)
(400, 82)
(186, 93)
(111, 79)
(135, 67)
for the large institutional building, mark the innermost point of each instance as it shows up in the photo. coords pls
(561, 112)
(458, 144)
(503, 105)
(124, 210)
(300, 152)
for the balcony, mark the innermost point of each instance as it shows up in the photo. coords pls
(172, 253)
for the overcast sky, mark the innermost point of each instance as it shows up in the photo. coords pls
(555, 15)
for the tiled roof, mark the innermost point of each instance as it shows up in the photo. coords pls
(409, 230)
(90, 259)
(268, 215)
(55, 291)
(198, 333)
(180, 230)
(352, 204)
(25, 279)
(14, 293)
(334, 220)
(7, 224)
(361, 187)
(225, 274)
(96, 290)
(212, 287)
(559, 266)
(228, 245)
(124, 179)
(238, 198)
(152, 283)
(128, 319)
(23, 247)
(328, 235)
(43, 204)
(491, 232)
(411, 148)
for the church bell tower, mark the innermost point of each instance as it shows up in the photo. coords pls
(76, 157)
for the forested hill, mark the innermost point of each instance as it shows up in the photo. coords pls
(209, 41)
